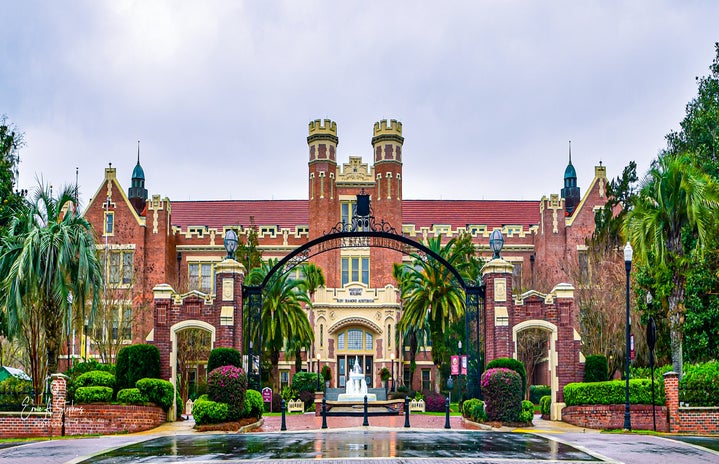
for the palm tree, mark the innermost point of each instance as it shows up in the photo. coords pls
(283, 317)
(313, 279)
(677, 205)
(431, 297)
(51, 256)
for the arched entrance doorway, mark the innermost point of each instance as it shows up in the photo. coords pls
(355, 343)
(535, 343)
(192, 341)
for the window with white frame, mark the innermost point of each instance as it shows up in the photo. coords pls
(201, 277)
(355, 269)
(119, 267)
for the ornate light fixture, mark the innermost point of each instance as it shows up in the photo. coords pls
(230, 243)
(496, 242)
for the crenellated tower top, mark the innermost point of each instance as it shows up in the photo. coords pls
(322, 129)
(388, 131)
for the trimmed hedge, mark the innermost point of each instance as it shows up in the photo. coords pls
(527, 413)
(131, 396)
(12, 393)
(253, 404)
(95, 379)
(224, 357)
(699, 385)
(136, 362)
(502, 390)
(206, 411)
(545, 405)
(513, 364)
(536, 392)
(93, 395)
(87, 366)
(158, 391)
(613, 392)
(596, 368)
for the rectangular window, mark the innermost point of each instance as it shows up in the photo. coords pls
(517, 277)
(127, 323)
(354, 339)
(355, 269)
(122, 323)
(284, 378)
(368, 341)
(126, 268)
(109, 222)
(583, 267)
(201, 277)
(426, 379)
(114, 267)
(406, 376)
(347, 210)
(119, 267)
(341, 371)
(341, 341)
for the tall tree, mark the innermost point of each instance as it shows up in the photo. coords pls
(283, 318)
(677, 205)
(10, 199)
(312, 279)
(52, 256)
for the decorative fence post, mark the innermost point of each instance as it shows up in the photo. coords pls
(58, 389)
(671, 391)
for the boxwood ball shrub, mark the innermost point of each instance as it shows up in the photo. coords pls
(253, 404)
(596, 368)
(527, 413)
(473, 409)
(206, 411)
(224, 357)
(136, 362)
(513, 364)
(95, 379)
(93, 394)
(305, 381)
(131, 396)
(613, 392)
(158, 391)
(228, 384)
(502, 390)
(545, 405)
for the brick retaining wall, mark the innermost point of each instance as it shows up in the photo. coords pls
(611, 416)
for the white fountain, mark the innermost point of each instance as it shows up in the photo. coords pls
(356, 388)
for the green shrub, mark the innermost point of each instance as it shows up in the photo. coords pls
(478, 414)
(131, 396)
(467, 407)
(224, 357)
(95, 379)
(87, 366)
(502, 389)
(253, 404)
(513, 364)
(646, 372)
(93, 394)
(136, 362)
(536, 392)
(288, 393)
(12, 393)
(305, 381)
(158, 391)
(527, 413)
(209, 412)
(596, 368)
(228, 384)
(326, 373)
(613, 392)
(699, 385)
(545, 405)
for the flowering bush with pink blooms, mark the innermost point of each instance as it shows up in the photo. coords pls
(502, 390)
(228, 384)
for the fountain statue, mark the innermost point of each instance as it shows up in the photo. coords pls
(356, 387)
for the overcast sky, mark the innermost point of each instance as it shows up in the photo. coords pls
(220, 93)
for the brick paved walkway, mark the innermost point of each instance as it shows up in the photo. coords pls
(300, 422)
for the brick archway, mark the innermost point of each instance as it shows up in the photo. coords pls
(506, 315)
(183, 325)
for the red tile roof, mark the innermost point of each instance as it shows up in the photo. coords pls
(460, 213)
(284, 213)
(289, 213)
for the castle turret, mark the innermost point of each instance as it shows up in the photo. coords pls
(137, 193)
(324, 201)
(570, 192)
(387, 195)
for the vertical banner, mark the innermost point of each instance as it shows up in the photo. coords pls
(631, 344)
(464, 364)
(455, 365)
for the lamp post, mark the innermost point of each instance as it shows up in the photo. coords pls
(651, 341)
(628, 266)
(392, 357)
(319, 357)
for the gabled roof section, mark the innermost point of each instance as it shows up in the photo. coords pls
(460, 213)
(219, 213)
(600, 176)
(110, 187)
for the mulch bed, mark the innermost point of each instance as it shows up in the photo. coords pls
(226, 426)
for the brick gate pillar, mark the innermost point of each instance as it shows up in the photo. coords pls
(498, 309)
(229, 275)
(671, 393)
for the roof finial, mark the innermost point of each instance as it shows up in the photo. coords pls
(138, 152)
(570, 152)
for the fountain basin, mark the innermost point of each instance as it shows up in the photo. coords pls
(348, 397)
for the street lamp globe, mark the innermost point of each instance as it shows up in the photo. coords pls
(496, 242)
(230, 243)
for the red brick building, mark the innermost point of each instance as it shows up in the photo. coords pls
(154, 241)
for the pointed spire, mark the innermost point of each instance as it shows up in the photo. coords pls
(138, 152)
(570, 152)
